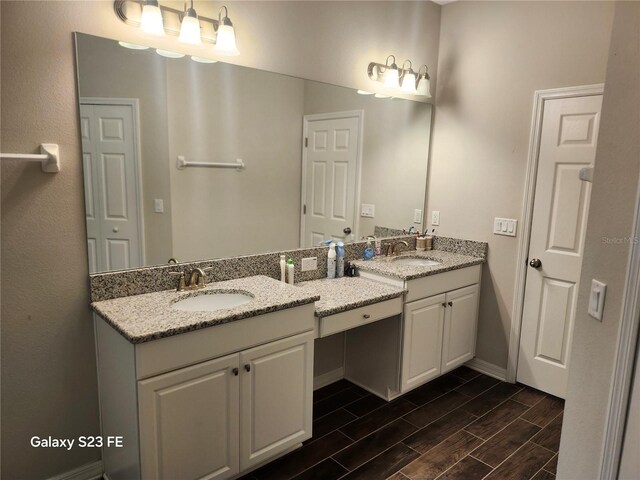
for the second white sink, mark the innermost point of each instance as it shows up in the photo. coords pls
(418, 262)
(209, 302)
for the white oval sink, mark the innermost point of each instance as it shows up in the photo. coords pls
(213, 301)
(417, 262)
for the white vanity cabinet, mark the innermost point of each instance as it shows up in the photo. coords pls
(439, 323)
(211, 403)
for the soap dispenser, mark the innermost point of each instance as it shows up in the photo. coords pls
(368, 251)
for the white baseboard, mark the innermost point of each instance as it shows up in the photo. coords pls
(327, 378)
(90, 471)
(487, 368)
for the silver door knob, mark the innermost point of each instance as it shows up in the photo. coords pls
(347, 230)
(116, 229)
(535, 263)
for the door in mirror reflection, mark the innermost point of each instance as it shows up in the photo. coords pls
(330, 166)
(111, 185)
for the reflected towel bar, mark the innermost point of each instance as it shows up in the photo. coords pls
(182, 164)
(49, 157)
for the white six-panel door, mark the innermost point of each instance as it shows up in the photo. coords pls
(567, 144)
(331, 158)
(111, 187)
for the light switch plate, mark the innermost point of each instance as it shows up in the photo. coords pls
(367, 210)
(309, 263)
(505, 226)
(435, 217)
(158, 205)
(417, 216)
(596, 299)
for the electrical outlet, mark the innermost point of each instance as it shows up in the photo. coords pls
(367, 210)
(417, 216)
(309, 263)
(158, 205)
(435, 217)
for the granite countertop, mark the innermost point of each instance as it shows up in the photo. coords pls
(141, 318)
(388, 266)
(342, 294)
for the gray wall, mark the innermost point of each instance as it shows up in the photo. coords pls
(48, 369)
(611, 212)
(493, 56)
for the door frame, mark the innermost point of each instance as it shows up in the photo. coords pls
(134, 103)
(539, 99)
(359, 114)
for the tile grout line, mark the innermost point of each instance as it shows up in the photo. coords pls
(484, 463)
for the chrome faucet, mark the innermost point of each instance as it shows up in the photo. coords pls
(392, 250)
(197, 279)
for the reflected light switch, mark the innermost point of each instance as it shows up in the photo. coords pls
(158, 205)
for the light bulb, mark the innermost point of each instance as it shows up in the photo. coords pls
(392, 77)
(151, 20)
(190, 28)
(409, 82)
(226, 40)
(424, 87)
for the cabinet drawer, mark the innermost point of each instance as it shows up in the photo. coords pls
(359, 316)
(442, 282)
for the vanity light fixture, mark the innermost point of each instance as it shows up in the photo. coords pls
(391, 73)
(226, 37)
(408, 79)
(402, 80)
(190, 27)
(151, 18)
(156, 19)
(424, 83)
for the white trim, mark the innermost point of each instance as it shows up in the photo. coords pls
(134, 103)
(90, 471)
(625, 358)
(487, 368)
(328, 378)
(359, 114)
(539, 99)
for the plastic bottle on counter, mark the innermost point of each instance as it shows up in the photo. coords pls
(283, 268)
(340, 260)
(331, 261)
(290, 271)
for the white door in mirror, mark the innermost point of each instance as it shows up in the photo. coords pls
(596, 299)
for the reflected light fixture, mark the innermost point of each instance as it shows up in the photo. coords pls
(424, 83)
(169, 53)
(195, 58)
(133, 46)
(408, 79)
(154, 18)
(226, 37)
(391, 76)
(151, 18)
(400, 80)
(190, 27)
(364, 92)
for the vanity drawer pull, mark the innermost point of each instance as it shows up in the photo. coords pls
(450, 304)
(247, 367)
(235, 371)
(366, 315)
(444, 304)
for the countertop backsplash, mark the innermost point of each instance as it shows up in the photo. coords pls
(109, 285)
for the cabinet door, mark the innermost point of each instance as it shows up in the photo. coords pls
(422, 341)
(276, 385)
(459, 342)
(189, 422)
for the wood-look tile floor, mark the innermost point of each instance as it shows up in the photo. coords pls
(463, 425)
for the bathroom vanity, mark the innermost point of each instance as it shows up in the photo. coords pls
(217, 390)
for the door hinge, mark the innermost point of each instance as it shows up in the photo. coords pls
(304, 209)
(306, 141)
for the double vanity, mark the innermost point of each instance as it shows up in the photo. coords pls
(213, 382)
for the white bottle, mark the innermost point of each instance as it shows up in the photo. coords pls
(331, 261)
(283, 268)
(290, 272)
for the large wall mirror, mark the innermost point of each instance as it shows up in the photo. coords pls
(319, 161)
